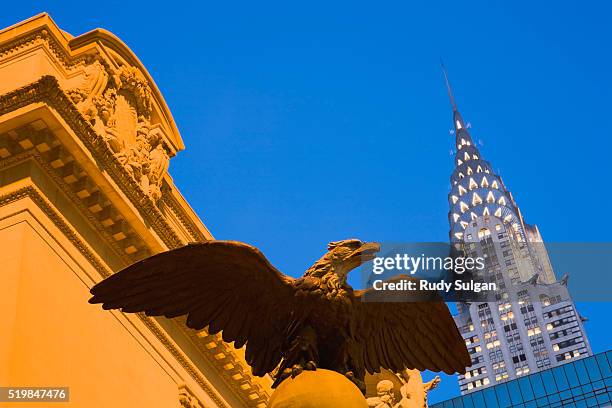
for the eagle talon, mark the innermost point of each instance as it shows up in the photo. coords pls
(359, 383)
(296, 370)
(310, 366)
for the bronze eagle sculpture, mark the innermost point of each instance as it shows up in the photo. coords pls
(288, 324)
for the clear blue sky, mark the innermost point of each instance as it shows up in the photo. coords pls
(328, 120)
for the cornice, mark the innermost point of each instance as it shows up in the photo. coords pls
(47, 91)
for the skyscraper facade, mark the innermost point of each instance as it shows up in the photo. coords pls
(531, 324)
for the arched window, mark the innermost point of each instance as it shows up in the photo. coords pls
(484, 233)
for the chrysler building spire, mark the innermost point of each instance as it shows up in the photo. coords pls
(448, 87)
(462, 136)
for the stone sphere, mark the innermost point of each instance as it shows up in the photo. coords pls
(317, 389)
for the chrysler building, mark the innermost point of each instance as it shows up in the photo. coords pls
(532, 323)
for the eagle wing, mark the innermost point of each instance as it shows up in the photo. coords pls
(226, 285)
(403, 333)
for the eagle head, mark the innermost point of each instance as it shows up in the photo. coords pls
(342, 257)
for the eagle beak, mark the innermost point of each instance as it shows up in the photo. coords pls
(366, 252)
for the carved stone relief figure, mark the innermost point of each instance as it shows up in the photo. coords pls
(158, 166)
(118, 106)
(385, 395)
(88, 86)
(187, 399)
(414, 390)
(105, 123)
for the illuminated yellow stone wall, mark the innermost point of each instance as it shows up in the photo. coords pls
(85, 143)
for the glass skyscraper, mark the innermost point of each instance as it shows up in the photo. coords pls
(582, 383)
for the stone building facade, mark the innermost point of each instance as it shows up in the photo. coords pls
(85, 144)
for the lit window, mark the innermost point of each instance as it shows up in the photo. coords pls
(555, 347)
(484, 233)
(458, 124)
(462, 190)
(534, 331)
(455, 217)
(498, 212)
(502, 201)
(476, 199)
(497, 227)
(473, 215)
(473, 184)
(494, 184)
(454, 199)
(484, 182)
(486, 211)
(463, 206)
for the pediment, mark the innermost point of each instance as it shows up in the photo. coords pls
(109, 86)
(92, 61)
